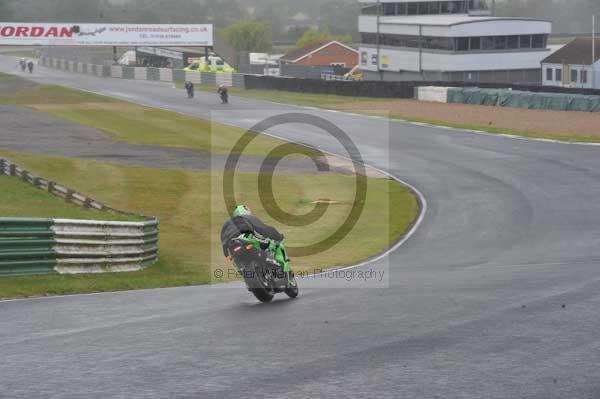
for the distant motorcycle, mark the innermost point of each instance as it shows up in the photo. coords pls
(23, 64)
(189, 87)
(30, 66)
(223, 92)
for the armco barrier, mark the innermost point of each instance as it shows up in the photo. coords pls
(128, 73)
(43, 246)
(152, 73)
(344, 88)
(179, 75)
(239, 80)
(194, 77)
(432, 93)
(224, 79)
(165, 74)
(209, 78)
(116, 71)
(140, 73)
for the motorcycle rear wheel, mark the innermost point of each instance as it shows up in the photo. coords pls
(263, 295)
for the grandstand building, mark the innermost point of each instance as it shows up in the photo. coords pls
(449, 41)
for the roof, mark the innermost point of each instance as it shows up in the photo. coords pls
(189, 50)
(448, 20)
(298, 54)
(578, 51)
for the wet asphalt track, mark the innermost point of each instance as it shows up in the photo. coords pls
(496, 295)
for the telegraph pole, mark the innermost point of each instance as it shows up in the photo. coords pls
(378, 40)
(593, 51)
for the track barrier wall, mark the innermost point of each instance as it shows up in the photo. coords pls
(49, 246)
(381, 89)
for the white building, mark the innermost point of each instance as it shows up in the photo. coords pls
(449, 41)
(573, 66)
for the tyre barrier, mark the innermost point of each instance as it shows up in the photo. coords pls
(48, 246)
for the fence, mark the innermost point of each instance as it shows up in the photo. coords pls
(382, 89)
(45, 246)
(510, 98)
(148, 73)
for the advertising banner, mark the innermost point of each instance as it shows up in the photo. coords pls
(75, 34)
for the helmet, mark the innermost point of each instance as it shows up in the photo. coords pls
(242, 210)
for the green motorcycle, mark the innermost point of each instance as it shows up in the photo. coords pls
(264, 265)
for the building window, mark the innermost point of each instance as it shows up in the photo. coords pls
(363, 58)
(512, 42)
(525, 41)
(401, 10)
(457, 7)
(374, 60)
(584, 76)
(368, 38)
(389, 9)
(549, 74)
(413, 9)
(434, 8)
(558, 75)
(462, 44)
(538, 41)
(371, 10)
(487, 43)
(574, 75)
(500, 42)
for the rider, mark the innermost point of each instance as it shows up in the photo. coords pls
(242, 223)
(224, 93)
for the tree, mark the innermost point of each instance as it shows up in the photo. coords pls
(313, 36)
(251, 36)
(5, 11)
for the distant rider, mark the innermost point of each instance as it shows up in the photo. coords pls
(224, 93)
(242, 223)
(189, 87)
(30, 66)
(23, 64)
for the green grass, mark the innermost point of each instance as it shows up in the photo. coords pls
(189, 203)
(190, 208)
(500, 130)
(331, 101)
(4, 76)
(295, 98)
(20, 53)
(132, 123)
(21, 199)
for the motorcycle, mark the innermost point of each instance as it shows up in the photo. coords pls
(224, 97)
(262, 274)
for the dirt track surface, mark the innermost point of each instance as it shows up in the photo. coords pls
(558, 123)
(38, 133)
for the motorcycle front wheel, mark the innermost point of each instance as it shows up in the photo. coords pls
(292, 290)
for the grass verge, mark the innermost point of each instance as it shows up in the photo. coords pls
(191, 212)
(132, 123)
(20, 53)
(336, 102)
(20, 199)
(4, 76)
